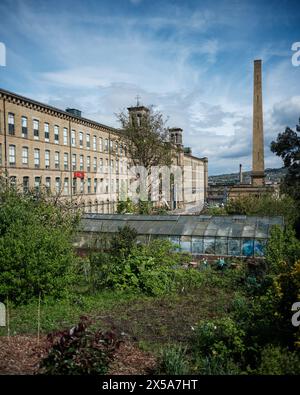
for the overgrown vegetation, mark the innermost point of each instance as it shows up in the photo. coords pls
(79, 351)
(263, 205)
(36, 252)
(229, 318)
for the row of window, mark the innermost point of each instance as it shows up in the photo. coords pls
(92, 164)
(102, 145)
(79, 186)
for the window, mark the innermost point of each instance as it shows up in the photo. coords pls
(12, 155)
(101, 165)
(88, 140)
(25, 184)
(88, 163)
(48, 184)
(66, 161)
(89, 185)
(81, 185)
(117, 185)
(37, 183)
(11, 123)
(47, 159)
(116, 148)
(121, 166)
(13, 181)
(106, 145)
(74, 186)
(25, 155)
(100, 144)
(24, 127)
(65, 136)
(46, 132)
(117, 166)
(36, 158)
(121, 149)
(95, 164)
(106, 186)
(81, 165)
(112, 186)
(36, 132)
(94, 143)
(66, 186)
(57, 184)
(56, 160)
(106, 166)
(74, 161)
(112, 165)
(111, 145)
(95, 185)
(73, 138)
(80, 139)
(56, 134)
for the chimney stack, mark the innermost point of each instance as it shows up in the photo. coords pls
(258, 166)
(241, 174)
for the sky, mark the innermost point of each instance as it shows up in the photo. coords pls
(191, 60)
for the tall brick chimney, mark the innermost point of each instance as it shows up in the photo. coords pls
(258, 165)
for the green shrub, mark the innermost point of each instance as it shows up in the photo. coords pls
(265, 204)
(216, 365)
(173, 360)
(79, 351)
(123, 241)
(221, 337)
(36, 251)
(277, 360)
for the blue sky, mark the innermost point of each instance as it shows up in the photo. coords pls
(191, 60)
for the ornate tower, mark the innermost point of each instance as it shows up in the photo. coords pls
(258, 165)
(176, 136)
(138, 112)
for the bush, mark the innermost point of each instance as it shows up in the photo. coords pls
(36, 251)
(277, 360)
(123, 241)
(265, 204)
(222, 338)
(79, 351)
(173, 361)
(216, 365)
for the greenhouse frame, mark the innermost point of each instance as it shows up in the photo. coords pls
(236, 235)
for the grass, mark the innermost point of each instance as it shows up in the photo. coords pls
(60, 314)
(151, 321)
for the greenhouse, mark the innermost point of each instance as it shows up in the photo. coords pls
(235, 235)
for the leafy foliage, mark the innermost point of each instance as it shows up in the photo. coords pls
(79, 351)
(287, 146)
(146, 139)
(173, 360)
(265, 205)
(36, 251)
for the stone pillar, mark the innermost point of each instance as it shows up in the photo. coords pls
(258, 166)
(241, 175)
(205, 160)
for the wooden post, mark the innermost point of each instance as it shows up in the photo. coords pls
(39, 318)
(7, 319)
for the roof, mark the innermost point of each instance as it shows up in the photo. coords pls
(58, 110)
(183, 225)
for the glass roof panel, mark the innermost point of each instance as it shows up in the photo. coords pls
(185, 225)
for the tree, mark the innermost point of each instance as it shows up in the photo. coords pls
(147, 141)
(36, 251)
(287, 146)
